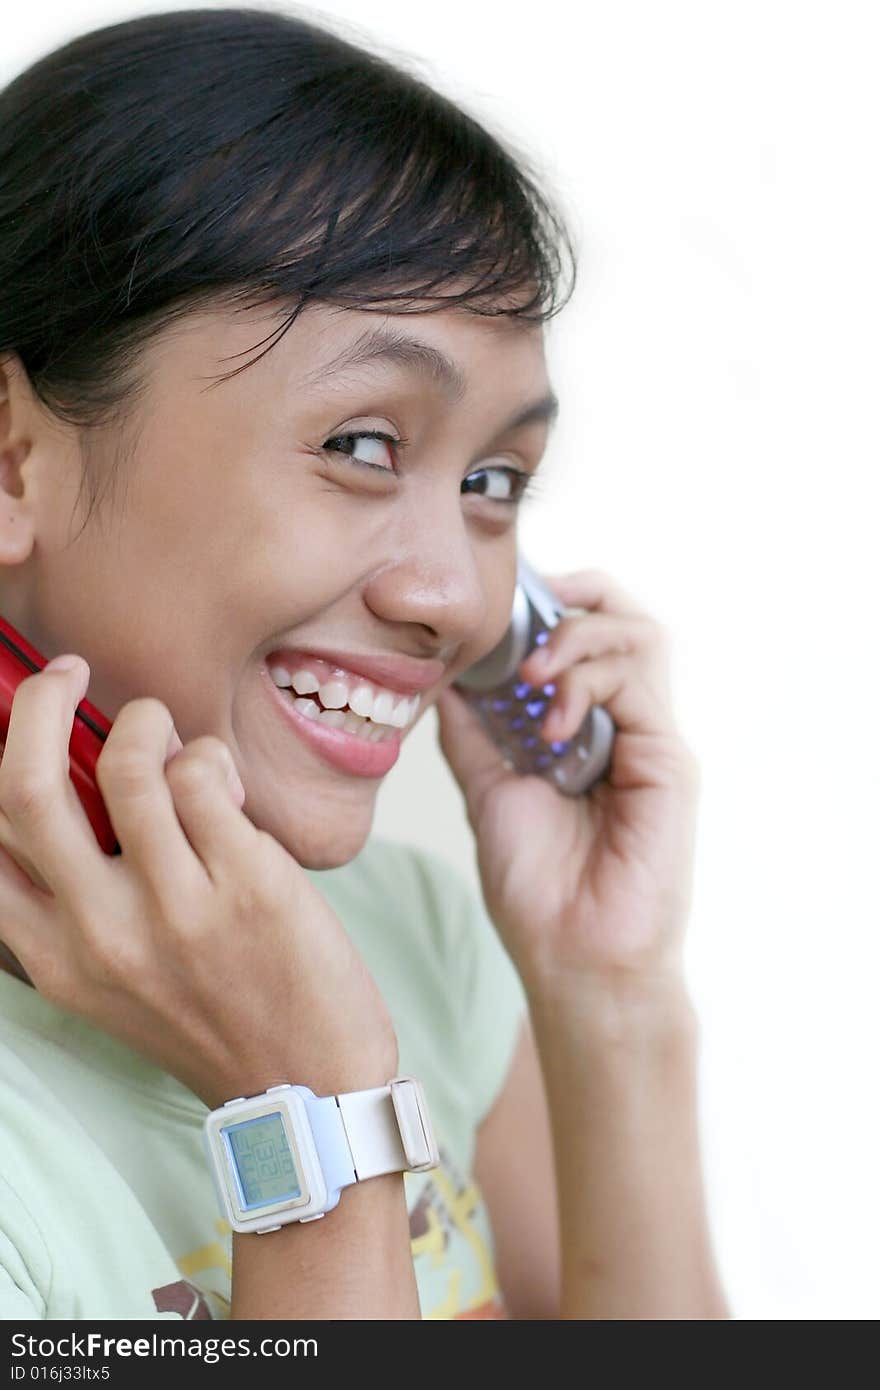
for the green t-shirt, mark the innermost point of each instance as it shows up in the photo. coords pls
(107, 1206)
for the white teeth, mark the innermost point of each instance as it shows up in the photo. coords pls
(334, 717)
(279, 676)
(339, 719)
(334, 695)
(354, 724)
(364, 729)
(304, 682)
(403, 712)
(361, 700)
(370, 702)
(307, 707)
(383, 703)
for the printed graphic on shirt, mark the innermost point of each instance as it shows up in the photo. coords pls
(451, 1246)
(183, 1298)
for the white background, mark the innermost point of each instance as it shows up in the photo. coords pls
(717, 452)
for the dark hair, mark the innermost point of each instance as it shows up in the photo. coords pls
(246, 157)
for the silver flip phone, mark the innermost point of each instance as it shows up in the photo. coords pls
(511, 709)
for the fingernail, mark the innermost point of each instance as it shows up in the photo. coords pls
(174, 745)
(70, 662)
(63, 663)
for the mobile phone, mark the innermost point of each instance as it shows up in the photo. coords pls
(19, 659)
(511, 709)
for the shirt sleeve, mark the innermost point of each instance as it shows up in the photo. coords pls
(489, 1001)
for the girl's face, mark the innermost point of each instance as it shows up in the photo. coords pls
(233, 532)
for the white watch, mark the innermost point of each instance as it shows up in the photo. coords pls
(287, 1154)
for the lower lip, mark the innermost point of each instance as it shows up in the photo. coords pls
(341, 750)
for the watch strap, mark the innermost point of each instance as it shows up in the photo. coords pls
(340, 1140)
(370, 1127)
(330, 1139)
(388, 1128)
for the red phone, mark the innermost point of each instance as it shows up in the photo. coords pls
(19, 659)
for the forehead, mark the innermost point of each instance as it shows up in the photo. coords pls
(451, 348)
(457, 355)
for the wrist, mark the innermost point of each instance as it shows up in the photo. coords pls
(618, 1007)
(373, 1065)
(286, 1156)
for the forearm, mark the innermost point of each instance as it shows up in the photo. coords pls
(355, 1263)
(620, 1069)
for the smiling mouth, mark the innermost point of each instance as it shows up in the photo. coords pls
(344, 718)
(339, 698)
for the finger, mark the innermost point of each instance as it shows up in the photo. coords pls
(610, 681)
(131, 774)
(595, 589)
(199, 780)
(572, 639)
(20, 879)
(37, 798)
(11, 843)
(26, 914)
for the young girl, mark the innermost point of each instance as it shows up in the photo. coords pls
(272, 383)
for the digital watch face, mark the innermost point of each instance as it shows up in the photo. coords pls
(264, 1162)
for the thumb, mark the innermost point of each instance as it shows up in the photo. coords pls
(475, 759)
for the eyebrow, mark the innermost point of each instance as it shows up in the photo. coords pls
(414, 355)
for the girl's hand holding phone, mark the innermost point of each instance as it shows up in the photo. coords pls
(596, 888)
(203, 945)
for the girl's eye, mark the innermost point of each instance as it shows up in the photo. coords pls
(375, 438)
(514, 480)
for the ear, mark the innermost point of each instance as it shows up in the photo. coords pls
(16, 509)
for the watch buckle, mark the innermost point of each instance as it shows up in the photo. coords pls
(414, 1123)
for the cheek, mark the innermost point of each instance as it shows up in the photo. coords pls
(499, 610)
(233, 532)
(273, 572)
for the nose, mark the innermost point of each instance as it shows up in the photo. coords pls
(445, 579)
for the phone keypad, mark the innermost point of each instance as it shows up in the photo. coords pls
(513, 713)
(528, 703)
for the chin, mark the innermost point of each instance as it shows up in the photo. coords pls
(321, 842)
(326, 856)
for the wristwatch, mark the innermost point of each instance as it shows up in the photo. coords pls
(285, 1155)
